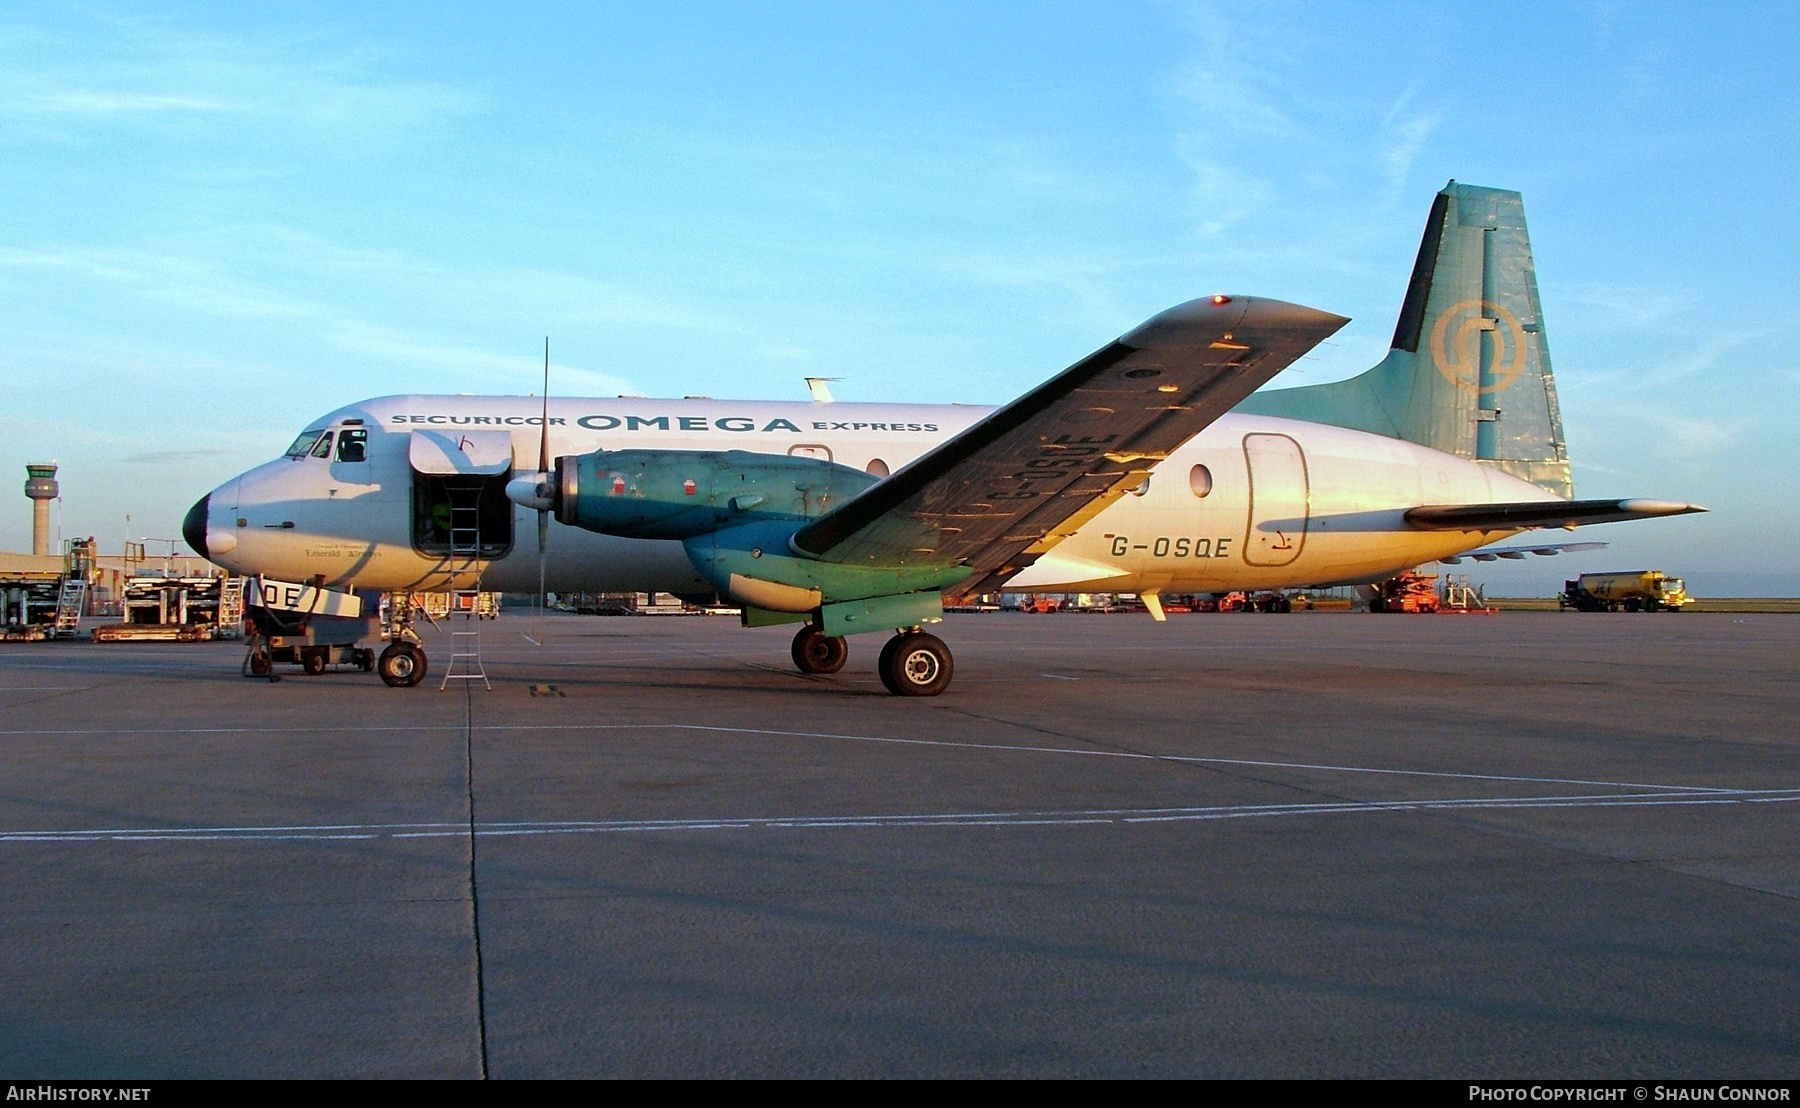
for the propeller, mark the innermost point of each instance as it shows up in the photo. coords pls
(533, 490)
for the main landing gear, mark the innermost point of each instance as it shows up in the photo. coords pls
(816, 652)
(911, 664)
(915, 664)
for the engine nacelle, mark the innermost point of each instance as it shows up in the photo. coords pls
(678, 494)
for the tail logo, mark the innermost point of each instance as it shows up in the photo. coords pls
(1456, 351)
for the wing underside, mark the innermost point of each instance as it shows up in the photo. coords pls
(1012, 486)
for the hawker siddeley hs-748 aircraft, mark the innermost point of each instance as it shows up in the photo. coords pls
(1147, 467)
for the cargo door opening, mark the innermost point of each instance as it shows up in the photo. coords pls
(459, 505)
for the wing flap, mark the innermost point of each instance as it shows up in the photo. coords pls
(1018, 482)
(1539, 513)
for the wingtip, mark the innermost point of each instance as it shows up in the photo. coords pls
(1245, 316)
(1648, 507)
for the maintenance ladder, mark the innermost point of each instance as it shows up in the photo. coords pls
(465, 545)
(70, 603)
(231, 608)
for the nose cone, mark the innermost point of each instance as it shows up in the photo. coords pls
(193, 526)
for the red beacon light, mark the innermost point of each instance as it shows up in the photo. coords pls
(1220, 298)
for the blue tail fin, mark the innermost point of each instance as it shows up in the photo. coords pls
(1469, 370)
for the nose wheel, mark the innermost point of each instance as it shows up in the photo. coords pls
(402, 665)
(816, 652)
(915, 664)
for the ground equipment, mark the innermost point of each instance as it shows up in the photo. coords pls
(1645, 590)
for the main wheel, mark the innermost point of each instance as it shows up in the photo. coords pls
(915, 664)
(816, 652)
(402, 665)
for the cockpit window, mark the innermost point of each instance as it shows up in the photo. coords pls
(304, 444)
(323, 449)
(353, 446)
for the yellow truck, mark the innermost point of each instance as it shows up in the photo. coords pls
(1646, 590)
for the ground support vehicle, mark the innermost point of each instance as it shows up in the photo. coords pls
(1647, 590)
(312, 642)
(1409, 592)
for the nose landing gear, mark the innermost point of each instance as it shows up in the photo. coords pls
(402, 665)
(816, 652)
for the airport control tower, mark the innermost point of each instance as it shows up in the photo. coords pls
(41, 487)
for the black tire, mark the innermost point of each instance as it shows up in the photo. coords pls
(402, 665)
(816, 652)
(260, 665)
(1284, 605)
(313, 662)
(916, 664)
(366, 660)
(1377, 604)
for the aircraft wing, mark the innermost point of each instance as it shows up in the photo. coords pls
(1539, 513)
(1009, 488)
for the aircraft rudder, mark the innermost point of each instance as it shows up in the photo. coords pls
(1468, 372)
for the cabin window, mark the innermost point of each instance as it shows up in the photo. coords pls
(353, 446)
(304, 444)
(322, 449)
(1200, 481)
(877, 468)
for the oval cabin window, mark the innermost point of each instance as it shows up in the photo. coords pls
(877, 468)
(1200, 481)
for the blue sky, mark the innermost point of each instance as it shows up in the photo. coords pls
(219, 221)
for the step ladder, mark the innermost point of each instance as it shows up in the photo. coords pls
(69, 605)
(465, 546)
(465, 660)
(231, 608)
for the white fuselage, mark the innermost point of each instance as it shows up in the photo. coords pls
(1286, 503)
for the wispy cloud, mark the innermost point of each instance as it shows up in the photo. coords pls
(1692, 437)
(145, 69)
(508, 372)
(1403, 134)
(172, 457)
(1628, 306)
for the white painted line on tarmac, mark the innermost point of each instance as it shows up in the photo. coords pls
(459, 726)
(1093, 817)
(1091, 753)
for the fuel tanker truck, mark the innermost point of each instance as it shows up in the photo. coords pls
(1647, 590)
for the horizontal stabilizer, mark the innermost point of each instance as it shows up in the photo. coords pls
(1517, 553)
(1539, 513)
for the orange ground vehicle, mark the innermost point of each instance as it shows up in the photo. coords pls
(1409, 592)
